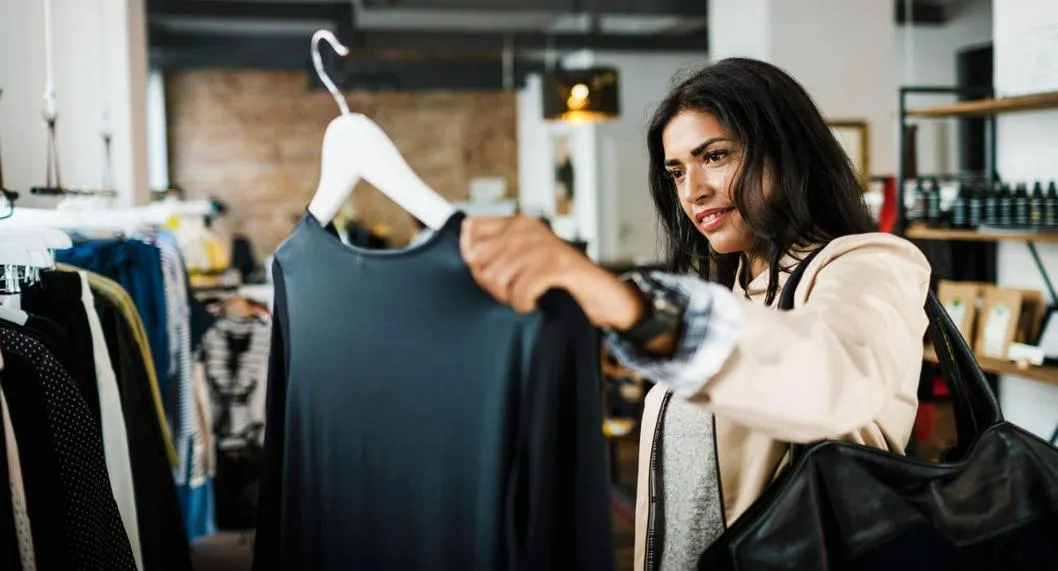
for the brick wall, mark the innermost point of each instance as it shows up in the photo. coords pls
(252, 139)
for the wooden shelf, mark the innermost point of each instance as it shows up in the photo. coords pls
(1045, 373)
(923, 232)
(986, 107)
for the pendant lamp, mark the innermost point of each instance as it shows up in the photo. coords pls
(581, 95)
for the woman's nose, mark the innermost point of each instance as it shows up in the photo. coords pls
(695, 187)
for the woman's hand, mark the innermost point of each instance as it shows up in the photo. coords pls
(518, 258)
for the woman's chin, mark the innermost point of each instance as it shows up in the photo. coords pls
(722, 243)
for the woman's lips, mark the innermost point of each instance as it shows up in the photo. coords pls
(713, 219)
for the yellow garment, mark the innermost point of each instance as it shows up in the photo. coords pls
(114, 292)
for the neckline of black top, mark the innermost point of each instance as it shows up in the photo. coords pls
(448, 231)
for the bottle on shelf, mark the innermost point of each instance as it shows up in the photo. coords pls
(933, 215)
(975, 200)
(918, 208)
(960, 209)
(1036, 206)
(1006, 206)
(1021, 206)
(1050, 206)
(991, 202)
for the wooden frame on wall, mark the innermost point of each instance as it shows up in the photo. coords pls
(855, 137)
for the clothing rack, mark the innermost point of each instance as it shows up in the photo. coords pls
(72, 191)
(136, 217)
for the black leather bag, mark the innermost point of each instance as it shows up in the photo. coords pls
(991, 504)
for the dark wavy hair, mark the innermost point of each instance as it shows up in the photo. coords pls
(815, 194)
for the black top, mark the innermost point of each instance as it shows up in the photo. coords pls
(426, 425)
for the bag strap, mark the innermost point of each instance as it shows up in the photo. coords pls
(973, 401)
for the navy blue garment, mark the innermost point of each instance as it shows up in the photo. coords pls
(137, 266)
(414, 422)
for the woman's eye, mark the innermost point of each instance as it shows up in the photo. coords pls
(675, 175)
(714, 156)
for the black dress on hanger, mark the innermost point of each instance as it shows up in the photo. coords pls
(416, 423)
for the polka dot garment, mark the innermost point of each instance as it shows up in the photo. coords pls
(96, 535)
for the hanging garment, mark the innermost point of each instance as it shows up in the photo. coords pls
(416, 423)
(38, 460)
(65, 302)
(196, 494)
(95, 534)
(137, 266)
(115, 433)
(26, 558)
(192, 480)
(106, 288)
(164, 541)
(235, 352)
(57, 299)
(177, 310)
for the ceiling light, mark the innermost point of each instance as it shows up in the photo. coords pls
(581, 95)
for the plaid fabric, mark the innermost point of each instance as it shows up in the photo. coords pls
(712, 320)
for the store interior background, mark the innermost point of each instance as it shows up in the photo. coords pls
(217, 97)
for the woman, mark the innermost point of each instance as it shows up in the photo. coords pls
(747, 179)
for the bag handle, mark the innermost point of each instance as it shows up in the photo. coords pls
(973, 401)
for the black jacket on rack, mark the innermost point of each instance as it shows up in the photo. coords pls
(58, 299)
(163, 539)
(416, 423)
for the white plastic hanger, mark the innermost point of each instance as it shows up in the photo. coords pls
(26, 248)
(354, 148)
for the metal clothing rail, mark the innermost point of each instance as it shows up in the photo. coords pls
(155, 214)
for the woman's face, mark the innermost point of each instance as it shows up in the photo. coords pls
(703, 161)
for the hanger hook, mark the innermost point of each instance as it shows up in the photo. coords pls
(317, 61)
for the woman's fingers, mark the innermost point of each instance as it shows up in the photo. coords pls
(515, 259)
(478, 231)
(530, 281)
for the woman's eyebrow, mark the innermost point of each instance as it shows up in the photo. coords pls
(697, 151)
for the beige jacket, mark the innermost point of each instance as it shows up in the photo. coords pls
(844, 364)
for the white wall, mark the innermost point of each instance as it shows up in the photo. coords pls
(750, 39)
(100, 59)
(1028, 149)
(925, 55)
(843, 52)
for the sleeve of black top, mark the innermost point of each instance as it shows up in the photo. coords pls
(267, 550)
(568, 516)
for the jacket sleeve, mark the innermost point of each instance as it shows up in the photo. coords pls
(829, 366)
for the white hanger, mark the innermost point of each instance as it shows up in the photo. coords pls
(354, 148)
(31, 248)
